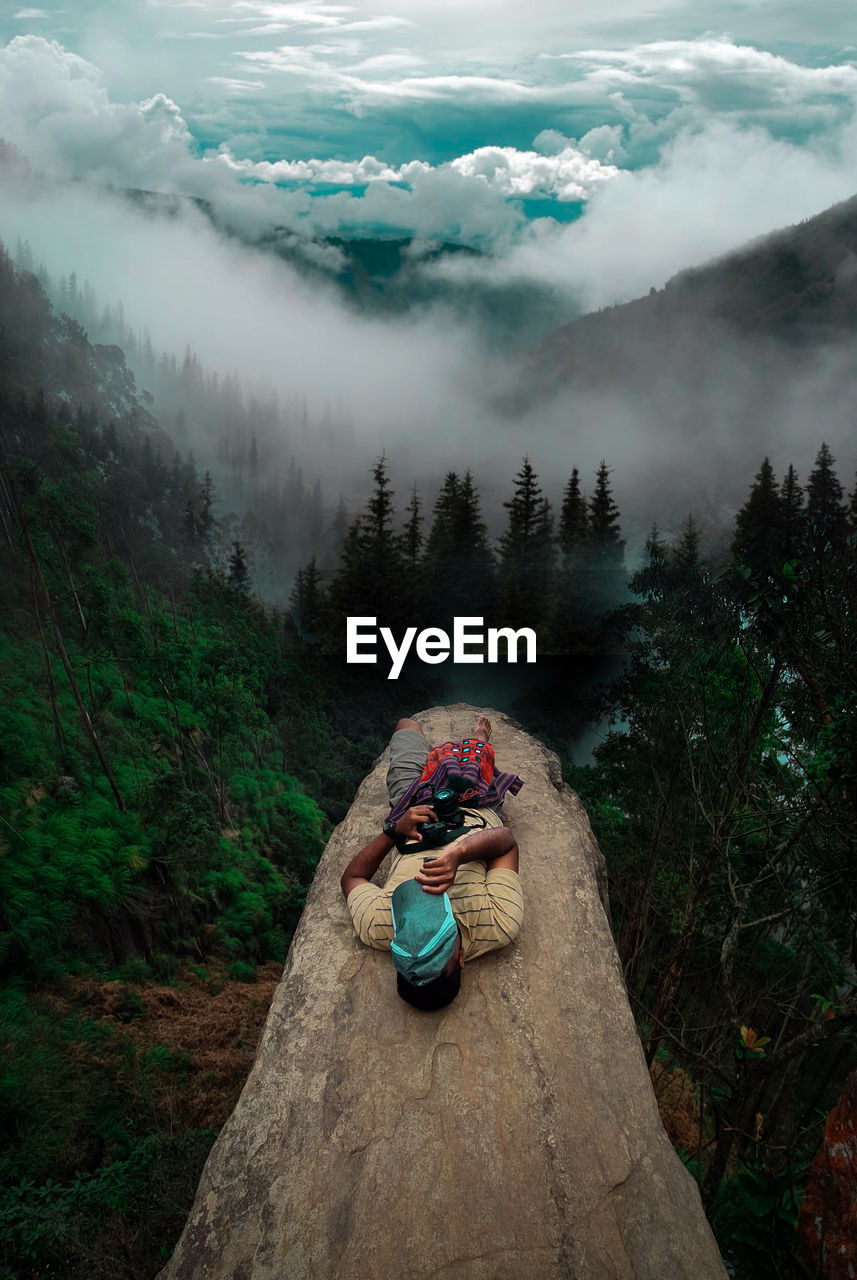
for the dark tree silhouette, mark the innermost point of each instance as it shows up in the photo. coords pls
(526, 552)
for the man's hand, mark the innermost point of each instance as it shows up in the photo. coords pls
(364, 864)
(408, 825)
(495, 846)
(438, 875)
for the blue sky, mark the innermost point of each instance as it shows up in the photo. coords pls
(466, 119)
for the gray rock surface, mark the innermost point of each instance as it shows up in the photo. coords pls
(513, 1135)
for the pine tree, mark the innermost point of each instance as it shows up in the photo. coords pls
(650, 580)
(372, 570)
(826, 515)
(605, 538)
(526, 551)
(306, 603)
(238, 575)
(573, 520)
(792, 517)
(458, 564)
(378, 519)
(412, 537)
(592, 583)
(440, 544)
(686, 555)
(757, 544)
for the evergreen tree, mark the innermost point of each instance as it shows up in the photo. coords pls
(568, 608)
(372, 571)
(458, 566)
(412, 537)
(526, 551)
(597, 584)
(605, 539)
(686, 555)
(441, 539)
(238, 575)
(792, 517)
(573, 520)
(757, 544)
(306, 603)
(650, 580)
(825, 511)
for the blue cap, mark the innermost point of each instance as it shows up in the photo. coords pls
(424, 932)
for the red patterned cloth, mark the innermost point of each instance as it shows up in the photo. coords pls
(472, 759)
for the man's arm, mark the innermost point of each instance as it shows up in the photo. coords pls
(364, 864)
(498, 847)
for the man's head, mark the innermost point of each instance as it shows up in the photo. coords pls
(426, 947)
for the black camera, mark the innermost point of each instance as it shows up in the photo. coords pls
(450, 820)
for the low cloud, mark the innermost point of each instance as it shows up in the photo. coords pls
(715, 186)
(421, 387)
(568, 174)
(661, 192)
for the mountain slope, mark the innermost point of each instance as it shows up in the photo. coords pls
(796, 287)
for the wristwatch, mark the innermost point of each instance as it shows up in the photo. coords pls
(390, 829)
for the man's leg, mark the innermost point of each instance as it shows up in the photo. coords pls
(408, 751)
(482, 728)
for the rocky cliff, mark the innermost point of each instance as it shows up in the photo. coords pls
(513, 1135)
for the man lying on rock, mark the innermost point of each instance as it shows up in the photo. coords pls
(453, 891)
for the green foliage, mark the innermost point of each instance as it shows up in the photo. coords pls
(754, 1218)
(170, 759)
(724, 802)
(76, 1229)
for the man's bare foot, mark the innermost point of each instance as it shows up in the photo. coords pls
(482, 728)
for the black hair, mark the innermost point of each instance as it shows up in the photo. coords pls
(432, 995)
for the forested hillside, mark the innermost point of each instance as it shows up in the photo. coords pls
(170, 760)
(764, 311)
(726, 806)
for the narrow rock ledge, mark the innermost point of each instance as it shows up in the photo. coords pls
(511, 1136)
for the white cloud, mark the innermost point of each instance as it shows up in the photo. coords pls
(336, 172)
(716, 186)
(698, 68)
(400, 61)
(232, 85)
(712, 186)
(55, 106)
(314, 15)
(568, 175)
(362, 93)
(24, 14)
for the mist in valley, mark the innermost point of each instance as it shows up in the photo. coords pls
(324, 384)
